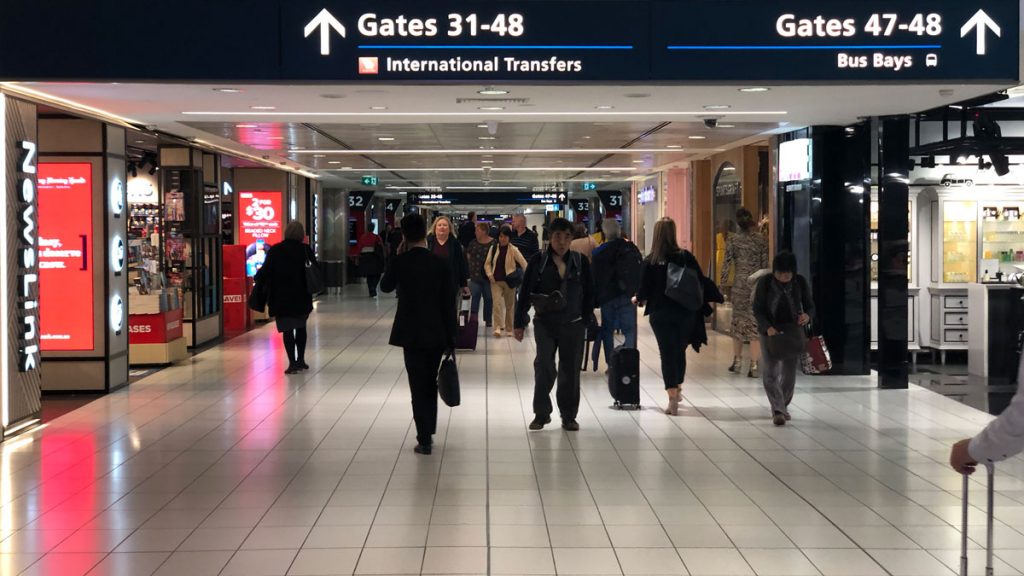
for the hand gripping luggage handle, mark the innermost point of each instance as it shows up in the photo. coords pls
(989, 524)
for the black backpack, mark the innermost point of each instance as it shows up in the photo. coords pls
(627, 268)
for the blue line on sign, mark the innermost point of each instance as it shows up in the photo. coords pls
(485, 47)
(851, 47)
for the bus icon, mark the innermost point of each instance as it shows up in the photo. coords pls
(931, 60)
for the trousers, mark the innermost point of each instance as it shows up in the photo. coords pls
(504, 306)
(422, 365)
(779, 378)
(481, 288)
(619, 313)
(566, 342)
(672, 331)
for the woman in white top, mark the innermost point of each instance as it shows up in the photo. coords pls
(501, 262)
(1001, 439)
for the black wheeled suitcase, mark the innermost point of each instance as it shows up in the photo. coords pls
(988, 524)
(624, 377)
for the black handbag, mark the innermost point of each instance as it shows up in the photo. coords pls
(314, 279)
(448, 381)
(548, 303)
(790, 342)
(515, 279)
(683, 285)
(259, 296)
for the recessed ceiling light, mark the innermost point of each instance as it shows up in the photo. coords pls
(486, 138)
(638, 161)
(319, 155)
(227, 90)
(298, 148)
(586, 137)
(482, 126)
(140, 141)
(491, 108)
(604, 107)
(263, 107)
(698, 137)
(385, 138)
(334, 162)
(245, 125)
(487, 161)
(492, 91)
(717, 107)
(674, 146)
(378, 107)
(755, 89)
(726, 125)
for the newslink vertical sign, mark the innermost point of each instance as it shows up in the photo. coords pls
(19, 266)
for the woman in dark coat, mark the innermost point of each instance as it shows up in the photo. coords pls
(371, 258)
(672, 323)
(442, 242)
(283, 276)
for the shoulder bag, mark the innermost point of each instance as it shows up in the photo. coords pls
(314, 279)
(683, 285)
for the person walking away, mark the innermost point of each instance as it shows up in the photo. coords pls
(747, 252)
(442, 243)
(1003, 437)
(289, 302)
(782, 306)
(503, 259)
(424, 325)
(394, 239)
(467, 231)
(672, 323)
(479, 283)
(582, 242)
(558, 285)
(524, 238)
(616, 270)
(371, 257)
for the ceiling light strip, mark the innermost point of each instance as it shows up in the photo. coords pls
(487, 168)
(489, 151)
(58, 102)
(479, 115)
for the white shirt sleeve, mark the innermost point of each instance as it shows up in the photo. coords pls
(1004, 436)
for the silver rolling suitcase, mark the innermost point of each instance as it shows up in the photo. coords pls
(963, 530)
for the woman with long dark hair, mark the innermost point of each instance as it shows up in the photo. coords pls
(671, 322)
(284, 276)
(747, 251)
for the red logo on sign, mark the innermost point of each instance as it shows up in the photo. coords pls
(369, 65)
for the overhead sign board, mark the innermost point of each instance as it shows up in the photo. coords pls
(486, 198)
(473, 40)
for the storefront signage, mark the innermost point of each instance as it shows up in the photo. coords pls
(65, 256)
(155, 328)
(117, 255)
(142, 190)
(647, 195)
(615, 40)
(116, 314)
(260, 221)
(28, 278)
(795, 160)
(117, 197)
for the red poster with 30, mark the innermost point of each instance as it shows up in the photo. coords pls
(65, 256)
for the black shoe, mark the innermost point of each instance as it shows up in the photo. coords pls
(292, 369)
(779, 419)
(571, 425)
(539, 422)
(303, 366)
(788, 417)
(488, 324)
(425, 449)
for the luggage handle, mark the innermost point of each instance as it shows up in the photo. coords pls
(990, 468)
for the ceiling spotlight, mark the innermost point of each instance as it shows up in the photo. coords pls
(482, 126)
(491, 108)
(153, 170)
(492, 91)
(717, 107)
(486, 138)
(263, 107)
(604, 107)
(698, 137)
(227, 90)
(755, 89)
(385, 139)
(726, 125)
(378, 107)
(133, 170)
(334, 162)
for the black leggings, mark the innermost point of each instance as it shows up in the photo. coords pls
(672, 329)
(295, 345)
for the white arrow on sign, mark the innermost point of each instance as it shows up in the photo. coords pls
(325, 21)
(981, 21)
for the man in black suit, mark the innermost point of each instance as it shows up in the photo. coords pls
(424, 325)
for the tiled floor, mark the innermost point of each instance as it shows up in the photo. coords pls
(225, 466)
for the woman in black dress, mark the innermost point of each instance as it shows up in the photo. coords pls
(283, 276)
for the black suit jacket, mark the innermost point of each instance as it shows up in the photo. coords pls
(426, 313)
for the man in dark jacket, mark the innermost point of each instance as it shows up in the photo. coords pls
(524, 238)
(616, 269)
(558, 285)
(467, 231)
(424, 325)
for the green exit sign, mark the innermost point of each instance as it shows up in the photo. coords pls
(588, 186)
(369, 180)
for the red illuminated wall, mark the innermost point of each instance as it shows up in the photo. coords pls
(65, 256)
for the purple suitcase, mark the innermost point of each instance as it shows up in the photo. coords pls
(469, 326)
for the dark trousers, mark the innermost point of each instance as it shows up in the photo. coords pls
(372, 281)
(565, 340)
(421, 365)
(481, 289)
(672, 330)
(295, 345)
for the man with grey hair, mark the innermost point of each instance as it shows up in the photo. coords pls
(616, 272)
(524, 238)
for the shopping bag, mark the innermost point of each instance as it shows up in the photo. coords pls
(314, 279)
(448, 381)
(816, 360)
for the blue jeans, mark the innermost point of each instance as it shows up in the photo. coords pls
(618, 313)
(480, 288)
